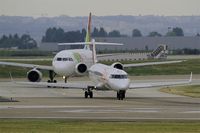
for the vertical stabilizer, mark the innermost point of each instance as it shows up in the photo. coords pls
(88, 34)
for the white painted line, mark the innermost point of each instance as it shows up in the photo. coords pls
(192, 112)
(45, 106)
(146, 111)
(106, 118)
(108, 111)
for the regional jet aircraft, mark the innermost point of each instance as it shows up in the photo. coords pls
(106, 77)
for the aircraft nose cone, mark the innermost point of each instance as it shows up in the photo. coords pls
(63, 68)
(120, 84)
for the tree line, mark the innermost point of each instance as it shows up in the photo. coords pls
(20, 42)
(177, 31)
(54, 34)
(59, 35)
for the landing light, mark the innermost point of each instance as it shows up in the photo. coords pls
(63, 77)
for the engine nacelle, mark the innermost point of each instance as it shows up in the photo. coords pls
(81, 68)
(118, 65)
(34, 75)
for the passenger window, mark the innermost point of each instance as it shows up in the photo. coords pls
(118, 76)
(65, 59)
(70, 59)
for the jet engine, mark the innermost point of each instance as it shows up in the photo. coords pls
(81, 68)
(34, 75)
(118, 65)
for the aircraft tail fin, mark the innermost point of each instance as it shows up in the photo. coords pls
(94, 55)
(88, 34)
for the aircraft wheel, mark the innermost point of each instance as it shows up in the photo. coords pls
(55, 81)
(91, 94)
(48, 82)
(86, 94)
(118, 96)
(121, 95)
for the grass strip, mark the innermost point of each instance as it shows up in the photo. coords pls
(60, 126)
(191, 91)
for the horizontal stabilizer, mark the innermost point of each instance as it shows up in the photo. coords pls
(152, 63)
(90, 43)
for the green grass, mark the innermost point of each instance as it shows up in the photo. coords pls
(192, 91)
(63, 126)
(24, 53)
(192, 65)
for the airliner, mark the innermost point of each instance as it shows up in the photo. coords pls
(68, 63)
(65, 63)
(105, 77)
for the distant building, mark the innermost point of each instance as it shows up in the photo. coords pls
(142, 43)
(46, 46)
(133, 43)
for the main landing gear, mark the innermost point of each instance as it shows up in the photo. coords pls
(89, 92)
(121, 94)
(65, 78)
(51, 77)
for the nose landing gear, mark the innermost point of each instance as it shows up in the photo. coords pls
(89, 92)
(121, 94)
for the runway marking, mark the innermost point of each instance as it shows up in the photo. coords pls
(46, 106)
(92, 109)
(192, 112)
(146, 111)
(118, 110)
(69, 106)
(105, 118)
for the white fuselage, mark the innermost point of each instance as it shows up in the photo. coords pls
(107, 77)
(65, 61)
(104, 76)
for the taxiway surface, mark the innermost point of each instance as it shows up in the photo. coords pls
(140, 104)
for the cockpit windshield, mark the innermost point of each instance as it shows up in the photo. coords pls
(118, 76)
(64, 59)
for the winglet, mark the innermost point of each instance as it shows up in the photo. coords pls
(11, 78)
(190, 78)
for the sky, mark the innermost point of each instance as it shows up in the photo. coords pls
(50, 8)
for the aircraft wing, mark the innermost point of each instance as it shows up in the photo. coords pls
(151, 63)
(159, 84)
(43, 67)
(104, 55)
(77, 85)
